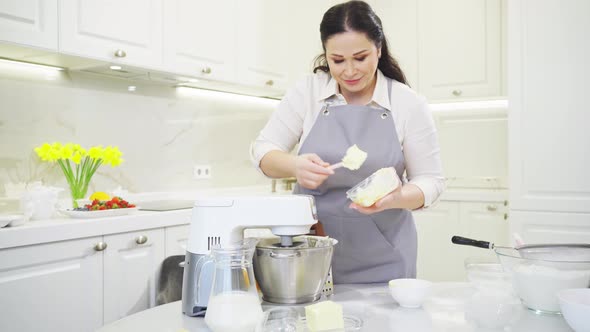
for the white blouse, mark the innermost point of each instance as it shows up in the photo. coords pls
(297, 112)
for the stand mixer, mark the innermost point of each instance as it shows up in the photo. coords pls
(219, 221)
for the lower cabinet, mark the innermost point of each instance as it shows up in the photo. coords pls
(176, 240)
(79, 285)
(441, 260)
(52, 287)
(131, 269)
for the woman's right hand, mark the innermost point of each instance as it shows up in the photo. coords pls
(311, 171)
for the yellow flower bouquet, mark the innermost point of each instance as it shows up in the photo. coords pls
(79, 164)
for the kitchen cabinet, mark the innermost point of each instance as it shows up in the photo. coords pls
(177, 240)
(304, 39)
(548, 128)
(441, 260)
(78, 285)
(459, 48)
(262, 46)
(29, 22)
(124, 32)
(437, 257)
(131, 269)
(199, 38)
(52, 287)
(481, 161)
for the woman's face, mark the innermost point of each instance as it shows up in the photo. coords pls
(353, 59)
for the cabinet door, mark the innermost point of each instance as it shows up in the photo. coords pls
(199, 38)
(123, 31)
(29, 22)
(487, 221)
(176, 240)
(52, 287)
(131, 266)
(437, 256)
(459, 48)
(548, 129)
(263, 46)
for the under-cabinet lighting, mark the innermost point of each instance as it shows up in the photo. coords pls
(470, 105)
(115, 67)
(193, 80)
(30, 65)
(131, 88)
(226, 96)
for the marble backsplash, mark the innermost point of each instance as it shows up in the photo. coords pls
(162, 131)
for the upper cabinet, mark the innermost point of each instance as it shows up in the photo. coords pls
(459, 48)
(29, 22)
(304, 39)
(449, 49)
(199, 38)
(121, 31)
(262, 47)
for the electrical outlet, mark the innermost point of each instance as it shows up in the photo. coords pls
(202, 172)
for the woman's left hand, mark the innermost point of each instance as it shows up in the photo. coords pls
(389, 201)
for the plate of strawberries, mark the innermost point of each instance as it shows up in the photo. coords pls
(115, 206)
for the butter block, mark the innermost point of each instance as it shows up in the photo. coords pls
(326, 315)
(354, 158)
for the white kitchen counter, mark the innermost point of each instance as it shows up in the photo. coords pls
(65, 228)
(443, 312)
(61, 228)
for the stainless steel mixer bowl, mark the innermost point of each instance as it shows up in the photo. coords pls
(292, 275)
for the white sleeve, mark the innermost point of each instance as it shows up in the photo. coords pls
(422, 153)
(284, 128)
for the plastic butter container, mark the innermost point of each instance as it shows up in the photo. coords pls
(375, 187)
(291, 319)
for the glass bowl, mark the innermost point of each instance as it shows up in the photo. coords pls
(410, 293)
(538, 281)
(486, 272)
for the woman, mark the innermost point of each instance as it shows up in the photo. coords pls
(357, 95)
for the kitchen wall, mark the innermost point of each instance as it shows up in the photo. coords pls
(165, 131)
(162, 131)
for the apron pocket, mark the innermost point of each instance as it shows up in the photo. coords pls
(363, 245)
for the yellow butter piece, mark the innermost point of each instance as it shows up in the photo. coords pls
(354, 158)
(382, 183)
(326, 315)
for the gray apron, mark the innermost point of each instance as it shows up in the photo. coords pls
(371, 248)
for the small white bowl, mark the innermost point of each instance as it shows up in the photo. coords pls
(575, 308)
(410, 293)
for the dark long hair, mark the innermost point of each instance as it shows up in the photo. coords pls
(357, 16)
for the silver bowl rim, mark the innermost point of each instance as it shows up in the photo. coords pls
(332, 241)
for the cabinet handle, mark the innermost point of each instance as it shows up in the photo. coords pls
(100, 246)
(141, 239)
(120, 53)
(505, 216)
(492, 208)
(206, 70)
(270, 83)
(457, 93)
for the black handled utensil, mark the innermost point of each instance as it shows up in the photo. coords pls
(577, 252)
(471, 242)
